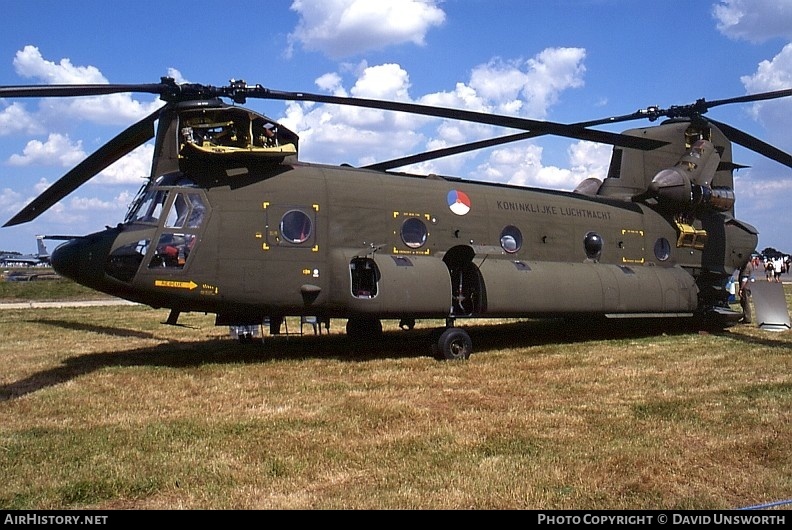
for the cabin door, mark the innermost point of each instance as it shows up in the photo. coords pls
(468, 296)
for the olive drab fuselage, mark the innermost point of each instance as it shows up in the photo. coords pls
(232, 222)
(281, 237)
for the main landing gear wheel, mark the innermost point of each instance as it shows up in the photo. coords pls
(454, 344)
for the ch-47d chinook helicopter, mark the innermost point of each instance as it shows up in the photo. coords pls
(231, 222)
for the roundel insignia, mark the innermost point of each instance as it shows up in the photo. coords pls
(458, 202)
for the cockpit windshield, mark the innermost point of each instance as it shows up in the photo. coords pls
(149, 207)
(151, 199)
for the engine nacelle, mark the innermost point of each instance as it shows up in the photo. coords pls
(720, 199)
(672, 186)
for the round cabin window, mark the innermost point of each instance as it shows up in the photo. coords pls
(511, 239)
(662, 249)
(296, 226)
(414, 232)
(592, 243)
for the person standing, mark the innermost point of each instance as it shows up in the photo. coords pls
(745, 291)
(769, 269)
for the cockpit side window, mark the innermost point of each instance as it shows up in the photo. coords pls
(179, 236)
(173, 250)
(178, 212)
(124, 262)
(197, 210)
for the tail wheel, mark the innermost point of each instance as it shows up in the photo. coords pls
(454, 344)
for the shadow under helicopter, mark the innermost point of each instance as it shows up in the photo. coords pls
(93, 328)
(394, 344)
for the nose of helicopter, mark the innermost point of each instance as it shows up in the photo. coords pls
(82, 259)
(67, 258)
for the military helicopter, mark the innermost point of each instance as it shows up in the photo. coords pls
(231, 222)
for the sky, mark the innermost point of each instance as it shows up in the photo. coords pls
(563, 61)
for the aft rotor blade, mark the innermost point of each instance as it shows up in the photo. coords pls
(473, 146)
(544, 127)
(753, 143)
(448, 151)
(750, 98)
(692, 110)
(128, 140)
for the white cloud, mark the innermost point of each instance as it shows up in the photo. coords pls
(341, 28)
(519, 88)
(92, 204)
(41, 185)
(529, 88)
(113, 109)
(773, 74)
(10, 200)
(759, 201)
(30, 63)
(177, 76)
(589, 159)
(522, 165)
(76, 215)
(758, 21)
(513, 165)
(774, 115)
(58, 150)
(754, 20)
(16, 119)
(133, 168)
(385, 81)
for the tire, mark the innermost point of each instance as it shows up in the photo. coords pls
(454, 344)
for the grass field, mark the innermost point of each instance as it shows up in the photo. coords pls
(106, 407)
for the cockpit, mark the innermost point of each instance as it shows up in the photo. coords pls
(165, 221)
(231, 131)
(163, 226)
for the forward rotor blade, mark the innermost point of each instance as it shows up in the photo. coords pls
(753, 143)
(128, 140)
(543, 127)
(46, 91)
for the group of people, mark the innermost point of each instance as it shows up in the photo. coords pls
(774, 267)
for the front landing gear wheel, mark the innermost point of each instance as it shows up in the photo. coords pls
(454, 344)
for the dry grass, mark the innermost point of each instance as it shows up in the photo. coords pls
(107, 408)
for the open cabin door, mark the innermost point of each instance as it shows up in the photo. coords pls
(391, 285)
